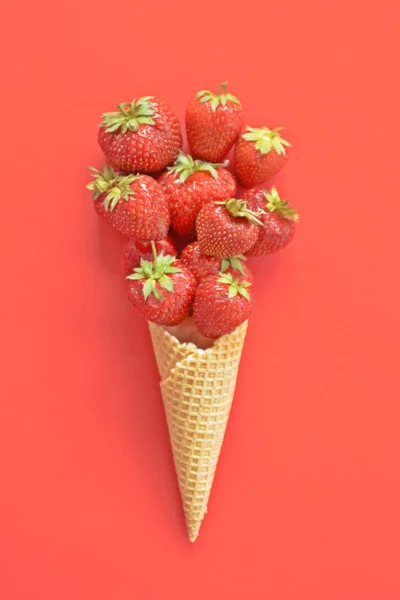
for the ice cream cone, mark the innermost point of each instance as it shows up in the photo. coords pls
(197, 387)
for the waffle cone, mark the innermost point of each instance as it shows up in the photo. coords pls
(197, 387)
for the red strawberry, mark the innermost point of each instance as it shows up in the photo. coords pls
(259, 155)
(221, 304)
(133, 204)
(227, 228)
(213, 123)
(189, 185)
(202, 265)
(135, 250)
(144, 136)
(278, 218)
(162, 290)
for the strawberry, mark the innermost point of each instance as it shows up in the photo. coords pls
(133, 204)
(221, 304)
(162, 290)
(189, 185)
(278, 218)
(144, 136)
(135, 250)
(227, 228)
(259, 155)
(213, 123)
(202, 265)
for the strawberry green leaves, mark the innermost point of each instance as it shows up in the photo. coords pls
(129, 116)
(185, 166)
(238, 208)
(102, 181)
(217, 99)
(115, 187)
(235, 286)
(149, 287)
(266, 139)
(157, 274)
(274, 203)
(234, 262)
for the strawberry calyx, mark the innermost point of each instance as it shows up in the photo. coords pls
(233, 262)
(266, 139)
(156, 271)
(115, 187)
(185, 166)
(222, 97)
(235, 286)
(275, 204)
(130, 115)
(238, 208)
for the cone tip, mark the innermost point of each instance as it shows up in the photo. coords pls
(193, 532)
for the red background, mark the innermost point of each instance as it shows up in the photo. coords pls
(306, 500)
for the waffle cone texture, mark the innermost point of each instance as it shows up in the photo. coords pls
(197, 387)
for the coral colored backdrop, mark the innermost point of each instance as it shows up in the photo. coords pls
(306, 501)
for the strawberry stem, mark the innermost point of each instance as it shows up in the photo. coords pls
(235, 286)
(220, 98)
(156, 273)
(154, 249)
(238, 208)
(266, 139)
(185, 166)
(111, 186)
(275, 204)
(130, 115)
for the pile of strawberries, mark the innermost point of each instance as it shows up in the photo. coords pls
(156, 195)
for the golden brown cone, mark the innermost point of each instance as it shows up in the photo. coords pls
(197, 388)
